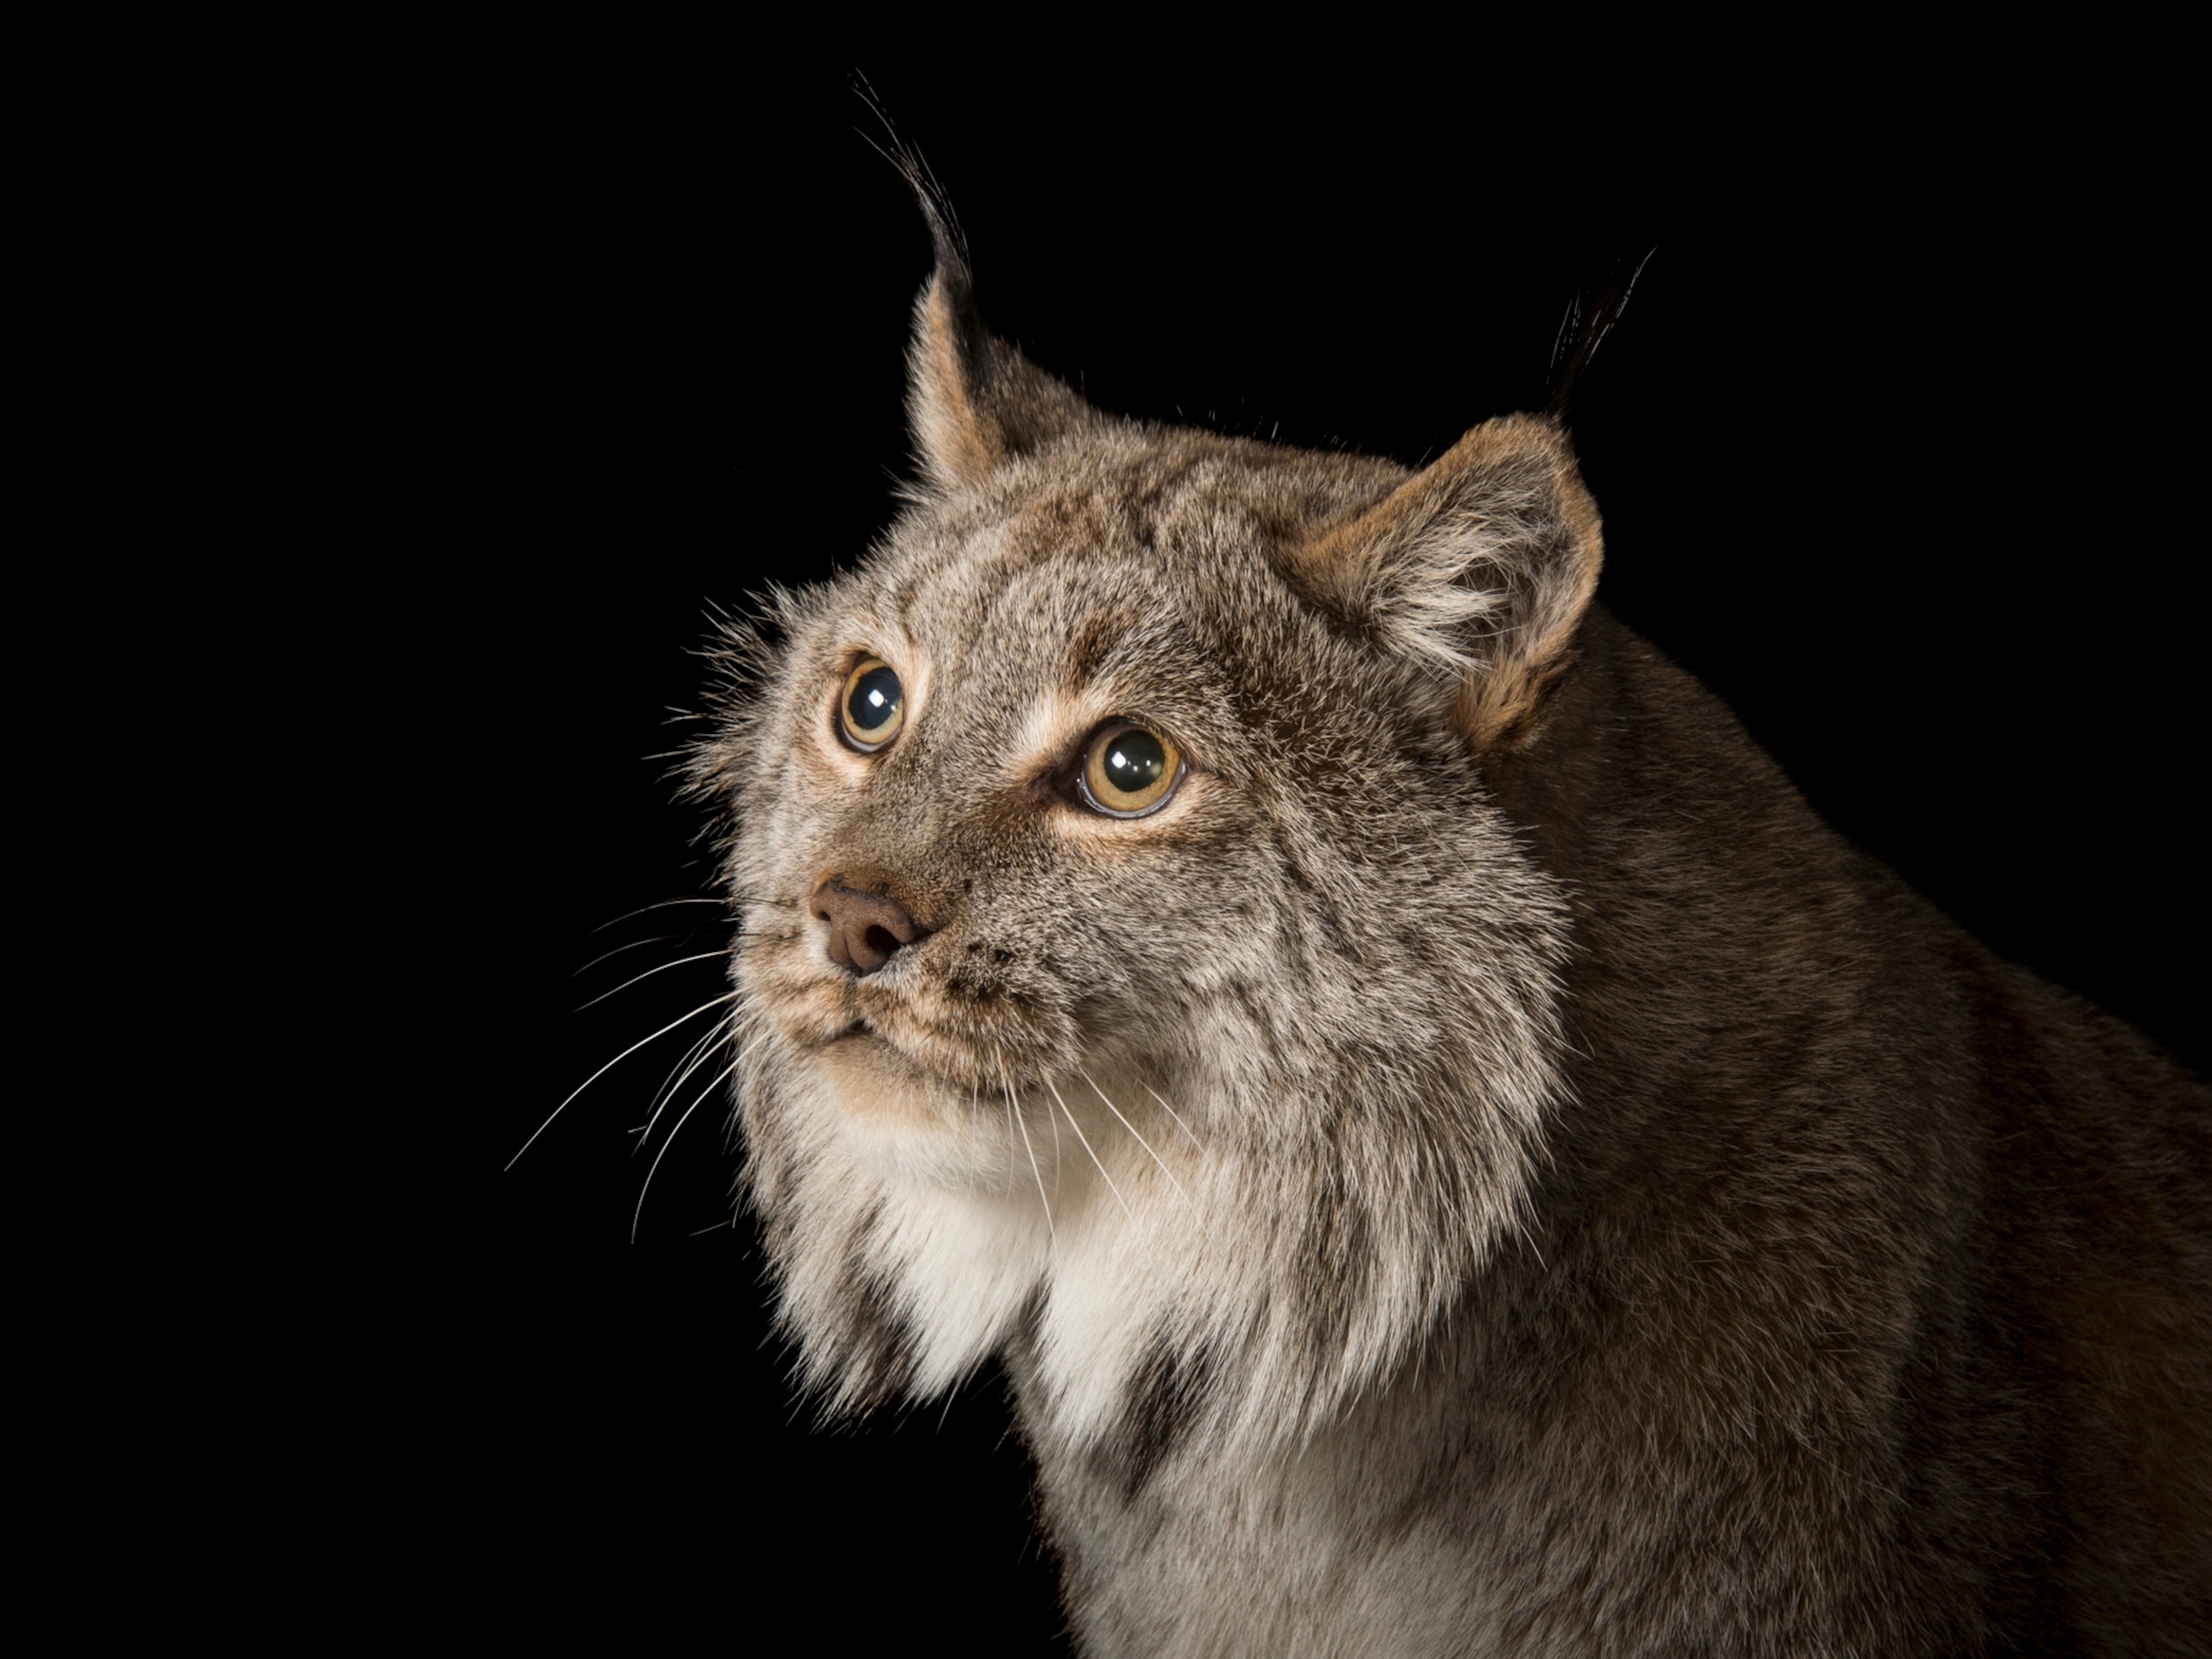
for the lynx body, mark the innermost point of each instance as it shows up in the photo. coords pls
(1468, 1162)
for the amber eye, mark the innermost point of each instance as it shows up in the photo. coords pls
(873, 707)
(1128, 770)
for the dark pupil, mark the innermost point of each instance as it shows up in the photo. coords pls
(1135, 761)
(875, 699)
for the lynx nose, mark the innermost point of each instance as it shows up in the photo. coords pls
(864, 928)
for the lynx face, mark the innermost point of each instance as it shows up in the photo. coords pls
(1316, 803)
(1129, 947)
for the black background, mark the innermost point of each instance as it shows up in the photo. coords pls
(1895, 447)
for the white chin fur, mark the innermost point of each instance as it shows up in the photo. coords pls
(901, 1126)
(934, 1194)
(960, 1215)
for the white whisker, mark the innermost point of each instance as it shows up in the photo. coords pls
(1174, 1113)
(725, 1034)
(672, 1080)
(604, 1070)
(658, 938)
(1008, 1088)
(663, 905)
(1085, 1143)
(648, 974)
(1147, 1145)
(974, 1105)
(671, 1141)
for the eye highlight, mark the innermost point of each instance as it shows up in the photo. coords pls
(872, 710)
(1128, 770)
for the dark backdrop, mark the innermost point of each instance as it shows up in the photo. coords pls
(1890, 446)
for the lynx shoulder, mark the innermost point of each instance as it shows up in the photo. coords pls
(1456, 1156)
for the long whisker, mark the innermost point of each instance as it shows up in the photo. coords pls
(975, 1105)
(1146, 1144)
(1174, 1113)
(1008, 1089)
(608, 1067)
(672, 1080)
(661, 939)
(1097, 1165)
(648, 974)
(717, 899)
(1010, 1147)
(671, 1141)
(720, 1041)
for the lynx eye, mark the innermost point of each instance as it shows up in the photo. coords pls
(1128, 770)
(873, 707)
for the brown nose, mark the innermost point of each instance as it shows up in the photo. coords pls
(864, 928)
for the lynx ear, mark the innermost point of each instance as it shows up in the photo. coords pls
(1483, 564)
(973, 402)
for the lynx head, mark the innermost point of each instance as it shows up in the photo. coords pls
(1132, 965)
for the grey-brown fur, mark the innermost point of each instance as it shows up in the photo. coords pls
(1522, 1184)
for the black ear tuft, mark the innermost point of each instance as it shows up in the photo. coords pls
(1589, 318)
(975, 403)
(953, 276)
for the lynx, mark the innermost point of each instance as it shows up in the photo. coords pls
(1454, 1156)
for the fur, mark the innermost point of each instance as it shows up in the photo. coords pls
(1483, 1168)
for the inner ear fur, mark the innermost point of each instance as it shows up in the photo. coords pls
(1484, 563)
(973, 401)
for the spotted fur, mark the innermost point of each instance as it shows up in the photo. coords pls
(1483, 1169)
